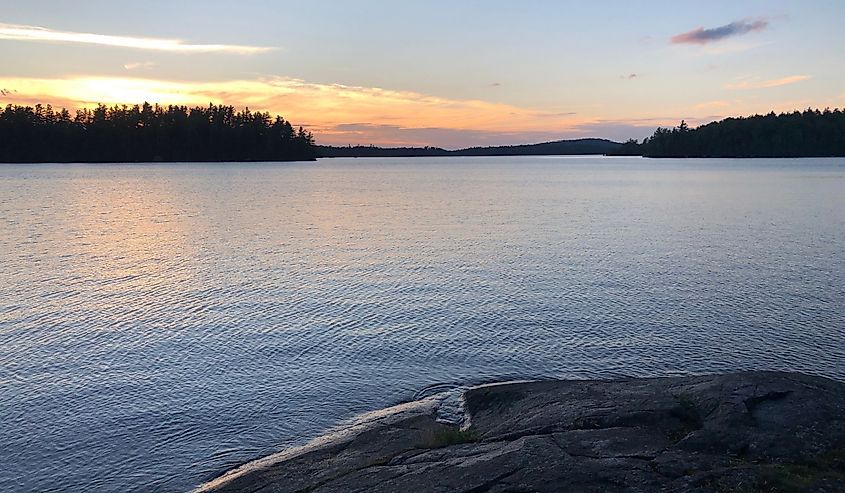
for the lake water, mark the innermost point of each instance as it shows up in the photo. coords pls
(160, 324)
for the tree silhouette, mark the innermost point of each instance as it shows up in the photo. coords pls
(147, 133)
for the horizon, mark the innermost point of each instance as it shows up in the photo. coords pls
(362, 74)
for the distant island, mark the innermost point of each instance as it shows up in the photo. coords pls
(218, 133)
(555, 148)
(148, 133)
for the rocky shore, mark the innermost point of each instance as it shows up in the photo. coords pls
(743, 432)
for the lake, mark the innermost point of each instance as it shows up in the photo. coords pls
(162, 323)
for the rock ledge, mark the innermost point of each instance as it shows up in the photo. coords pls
(743, 432)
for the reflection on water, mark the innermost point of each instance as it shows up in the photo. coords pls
(160, 324)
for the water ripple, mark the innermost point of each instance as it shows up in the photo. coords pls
(162, 324)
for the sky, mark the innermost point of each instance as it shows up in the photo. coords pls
(443, 73)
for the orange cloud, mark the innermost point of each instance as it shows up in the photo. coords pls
(322, 107)
(763, 84)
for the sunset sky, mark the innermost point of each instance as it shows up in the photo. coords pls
(445, 73)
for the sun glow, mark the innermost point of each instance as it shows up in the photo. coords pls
(341, 114)
(324, 108)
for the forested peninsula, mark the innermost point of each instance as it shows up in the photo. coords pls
(811, 133)
(148, 133)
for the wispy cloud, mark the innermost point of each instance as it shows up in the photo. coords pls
(19, 32)
(711, 105)
(139, 65)
(630, 76)
(763, 84)
(701, 36)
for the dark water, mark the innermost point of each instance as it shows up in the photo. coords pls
(162, 323)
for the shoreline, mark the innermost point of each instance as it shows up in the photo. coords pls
(339, 434)
(702, 433)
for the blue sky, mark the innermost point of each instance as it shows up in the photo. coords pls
(441, 73)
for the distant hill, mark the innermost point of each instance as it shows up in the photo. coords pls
(373, 151)
(556, 148)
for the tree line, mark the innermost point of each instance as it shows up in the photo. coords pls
(149, 133)
(811, 133)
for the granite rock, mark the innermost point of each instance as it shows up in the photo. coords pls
(742, 432)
